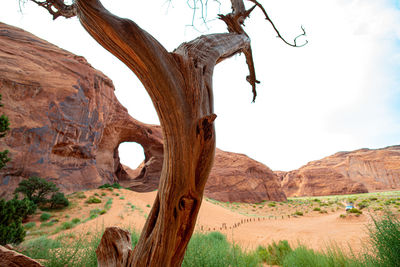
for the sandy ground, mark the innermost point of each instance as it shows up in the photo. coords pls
(316, 231)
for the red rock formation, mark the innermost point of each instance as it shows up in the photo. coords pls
(358, 171)
(11, 258)
(66, 126)
(238, 178)
(66, 123)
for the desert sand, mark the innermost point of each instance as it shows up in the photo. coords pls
(129, 210)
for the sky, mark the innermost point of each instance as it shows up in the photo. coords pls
(340, 92)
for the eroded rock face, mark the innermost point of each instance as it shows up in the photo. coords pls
(11, 258)
(359, 171)
(66, 126)
(238, 178)
(66, 123)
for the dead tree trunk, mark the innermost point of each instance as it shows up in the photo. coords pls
(180, 86)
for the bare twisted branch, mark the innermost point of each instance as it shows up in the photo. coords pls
(57, 8)
(276, 30)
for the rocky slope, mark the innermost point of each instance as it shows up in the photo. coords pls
(66, 126)
(359, 171)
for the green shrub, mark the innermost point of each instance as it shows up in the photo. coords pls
(303, 257)
(29, 225)
(108, 204)
(385, 241)
(114, 185)
(103, 194)
(67, 225)
(48, 224)
(362, 205)
(11, 233)
(12, 213)
(45, 217)
(214, 250)
(36, 189)
(93, 200)
(58, 201)
(275, 253)
(317, 209)
(76, 220)
(23, 208)
(354, 210)
(272, 204)
(298, 213)
(80, 195)
(4, 127)
(148, 205)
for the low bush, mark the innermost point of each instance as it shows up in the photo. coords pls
(48, 224)
(45, 217)
(317, 209)
(76, 220)
(214, 250)
(303, 257)
(58, 201)
(114, 185)
(29, 225)
(275, 253)
(93, 200)
(12, 213)
(385, 241)
(354, 210)
(298, 213)
(67, 225)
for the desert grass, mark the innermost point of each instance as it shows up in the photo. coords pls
(213, 249)
(203, 250)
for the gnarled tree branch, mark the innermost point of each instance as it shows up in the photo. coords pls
(276, 30)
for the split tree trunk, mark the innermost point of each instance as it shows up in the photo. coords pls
(180, 86)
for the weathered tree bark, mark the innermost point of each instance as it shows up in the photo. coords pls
(180, 86)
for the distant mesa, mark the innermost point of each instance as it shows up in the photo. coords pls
(359, 171)
(67, 124)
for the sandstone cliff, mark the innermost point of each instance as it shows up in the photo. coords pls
(66, 126)
(66, 123)
(359, 171)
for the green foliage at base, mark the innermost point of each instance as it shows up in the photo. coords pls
(385, 240)
(45, 217)
(4, 127)
(58, 201)
(303, 257)
(93, 200)
(114, 185)
(214, 250)
(354, 210)
(274, 253)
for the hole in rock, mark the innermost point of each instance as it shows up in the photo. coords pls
(131, 154)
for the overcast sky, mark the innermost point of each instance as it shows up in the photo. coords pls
(339, 92)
